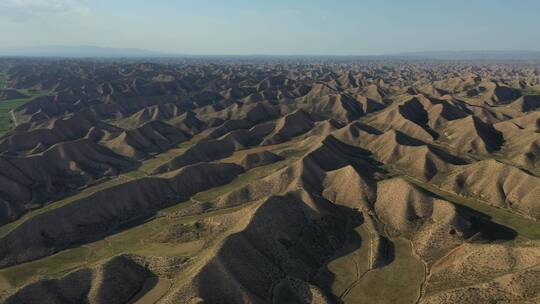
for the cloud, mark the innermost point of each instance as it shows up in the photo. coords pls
(23, 9)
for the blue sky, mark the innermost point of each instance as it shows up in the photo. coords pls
(343, 27)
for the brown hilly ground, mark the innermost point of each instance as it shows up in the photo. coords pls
(269, 181)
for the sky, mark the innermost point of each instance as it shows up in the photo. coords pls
(235, 27)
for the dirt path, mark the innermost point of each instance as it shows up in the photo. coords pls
(129, 178)
(13, 118)
(355, 283)
(359, 274)
(153, 289)
(427, 272)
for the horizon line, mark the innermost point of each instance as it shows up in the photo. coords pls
(163, 54)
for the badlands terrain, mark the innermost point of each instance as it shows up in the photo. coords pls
(269, 181)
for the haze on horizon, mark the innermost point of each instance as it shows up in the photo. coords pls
(239, 27)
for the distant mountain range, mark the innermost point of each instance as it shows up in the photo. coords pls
(78, 52)
(104, 52)
(472, 55)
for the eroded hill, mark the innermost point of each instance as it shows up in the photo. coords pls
(270, 182)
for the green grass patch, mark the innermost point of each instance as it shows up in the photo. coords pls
(531, 91)
(242, 180)
(398, 282)
(3, 80)
(59, 264)
(525, 227)
(68, 260)
(6, 119)
(36, 93)
(149, 165)
(346, 269)
(139, 239)
(4, 230)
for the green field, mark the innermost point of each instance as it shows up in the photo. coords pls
(6, 118)
(531, 91)
(5, 229)
(139, 239)
(398, 282)
(3, 81)
(525, 227)
(149, 165)
(352, 262)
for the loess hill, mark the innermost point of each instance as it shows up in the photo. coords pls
(269, 182)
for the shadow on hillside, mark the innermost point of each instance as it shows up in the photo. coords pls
(282, 254)
(481, 224)
(485, 227)
(326, 278)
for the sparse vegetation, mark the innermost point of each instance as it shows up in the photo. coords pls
(58, 204)
(398, 282)
(300, 182)
(526, 227)
(149, 165)
(6, 118)
(3, 81)
(531, 91)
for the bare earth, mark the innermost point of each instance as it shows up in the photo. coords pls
(270, 180)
